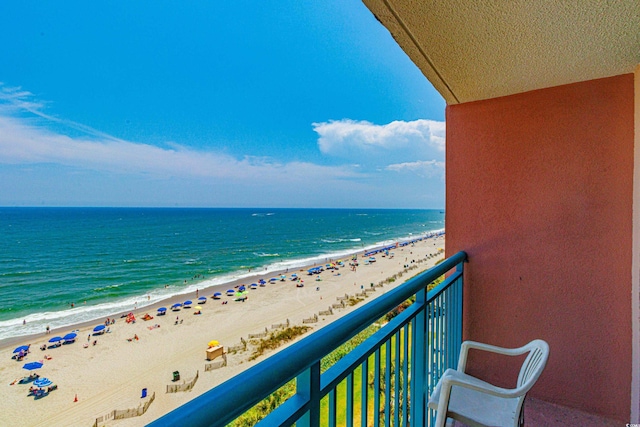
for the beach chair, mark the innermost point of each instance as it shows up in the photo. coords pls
(474, 402)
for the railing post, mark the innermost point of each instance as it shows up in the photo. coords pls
(419, 365)
(308, 387)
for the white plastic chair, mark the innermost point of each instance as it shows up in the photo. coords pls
(476, 402)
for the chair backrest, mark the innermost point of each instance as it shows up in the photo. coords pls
(533, 364)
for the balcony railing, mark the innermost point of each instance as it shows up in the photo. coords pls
(385, 380)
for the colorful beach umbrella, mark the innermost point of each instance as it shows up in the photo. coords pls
(213, 343)
(32, 365)
(21, 348)
(42, 382)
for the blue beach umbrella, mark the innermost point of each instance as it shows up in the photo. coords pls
(42, 382)
(21, 348)
(217, 295)
(188, 302)
(162, 309)
(262, 281)
(176, 306)
(273, 279)
(70, 337)
(231, 292)
(55, 339)
(98, 328)
(242, 288)
(202, 300)
(32, 365)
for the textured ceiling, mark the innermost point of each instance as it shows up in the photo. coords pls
(472, 50)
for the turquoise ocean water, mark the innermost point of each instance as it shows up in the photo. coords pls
(105, 260)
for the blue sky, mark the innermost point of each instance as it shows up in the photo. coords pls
(216, 104)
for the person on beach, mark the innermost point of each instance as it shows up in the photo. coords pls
(48, 330)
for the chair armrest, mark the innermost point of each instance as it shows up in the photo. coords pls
(456, 378)
(467, 345)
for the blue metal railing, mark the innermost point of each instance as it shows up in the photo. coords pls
(397, 367)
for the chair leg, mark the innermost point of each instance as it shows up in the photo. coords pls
(521, 416)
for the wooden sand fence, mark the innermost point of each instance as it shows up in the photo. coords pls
(281, 325)
(259, 335)
(239, 347)
(313, 319)
(185, 386)
(217, 364)
(120, 414)
(326, 312)
(338, 305)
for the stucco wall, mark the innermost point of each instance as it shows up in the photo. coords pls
(539, 194)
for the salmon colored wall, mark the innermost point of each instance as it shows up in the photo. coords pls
(539, 194)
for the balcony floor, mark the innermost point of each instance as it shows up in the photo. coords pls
(538, 413)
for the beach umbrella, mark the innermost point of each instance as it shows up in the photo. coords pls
(242, 288)
(42, 382)
(98, 328)
(55, 339)
(273, 279)
(202, 300)
(217, 295)
(21, 348)
(262, 281)
(32, 365)
(213, 343)
(162, 309)
(186, 303)
(70, 336)
(197, 307)
(176, 305)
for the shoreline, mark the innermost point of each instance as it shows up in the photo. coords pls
(206, 290)
(110, 375)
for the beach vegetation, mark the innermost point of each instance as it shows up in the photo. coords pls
(276, 339)
(354, 300)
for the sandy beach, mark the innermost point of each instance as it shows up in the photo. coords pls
(96, 379)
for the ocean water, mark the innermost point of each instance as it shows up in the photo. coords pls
(106, 260)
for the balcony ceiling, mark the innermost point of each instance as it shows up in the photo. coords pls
(472, 50)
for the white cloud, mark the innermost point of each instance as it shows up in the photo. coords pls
(22, 143)
(428, 168)
(41, 165)
(394, 142)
